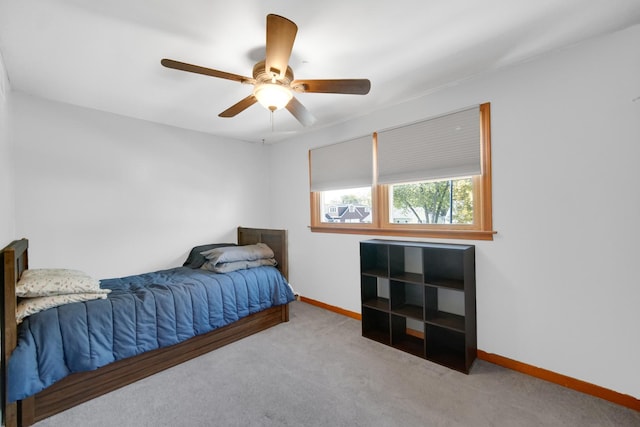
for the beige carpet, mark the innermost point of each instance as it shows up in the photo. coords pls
(317, 370)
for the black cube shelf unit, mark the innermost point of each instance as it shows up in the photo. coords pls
(421, 298)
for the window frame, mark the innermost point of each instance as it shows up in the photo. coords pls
(481, 229)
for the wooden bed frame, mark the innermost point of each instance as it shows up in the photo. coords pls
(83, 386)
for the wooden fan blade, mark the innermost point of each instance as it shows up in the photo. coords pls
(347, 86)
(183, 66)
(281, 33)
(299, 111)
(239, 107)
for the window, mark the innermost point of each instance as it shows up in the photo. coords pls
(427, 179)
(432, 202)
(351, 205)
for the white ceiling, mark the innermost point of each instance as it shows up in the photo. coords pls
(106, 55)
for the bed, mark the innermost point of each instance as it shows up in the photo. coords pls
(82, 386)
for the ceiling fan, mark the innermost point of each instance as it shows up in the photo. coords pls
(273, 78)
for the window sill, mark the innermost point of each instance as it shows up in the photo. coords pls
(440, 234)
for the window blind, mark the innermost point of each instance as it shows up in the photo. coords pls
(347, 164)
(443, 147)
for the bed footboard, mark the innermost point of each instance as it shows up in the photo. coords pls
(14, 261)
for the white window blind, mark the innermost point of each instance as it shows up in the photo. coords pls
(347, 164)
(443, 147)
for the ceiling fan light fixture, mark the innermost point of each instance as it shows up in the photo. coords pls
(272, 96)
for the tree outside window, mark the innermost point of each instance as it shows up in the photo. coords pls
(433, 202)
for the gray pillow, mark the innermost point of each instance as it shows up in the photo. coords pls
(196, 259)
(238, 253)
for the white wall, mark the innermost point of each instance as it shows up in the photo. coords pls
(115, 196)
(7, 223)
(558, 288)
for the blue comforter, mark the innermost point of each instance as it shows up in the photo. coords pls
(141, 313)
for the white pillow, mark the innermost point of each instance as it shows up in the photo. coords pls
(52, 272)
(29, 306)
(48, 282)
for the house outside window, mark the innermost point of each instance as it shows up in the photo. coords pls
(351, 205)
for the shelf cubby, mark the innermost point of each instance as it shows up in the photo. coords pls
(402, 340)
(434, 313)
(375, 325)
(371, 293)
(444, 267)
(446, 347)
(405, 264)
(374, 260)
(406, 299)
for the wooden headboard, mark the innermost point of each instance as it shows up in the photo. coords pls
(275, 239)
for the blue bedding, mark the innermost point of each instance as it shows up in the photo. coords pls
(142, 313)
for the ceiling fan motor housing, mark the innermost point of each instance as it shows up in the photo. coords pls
(261, 75)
